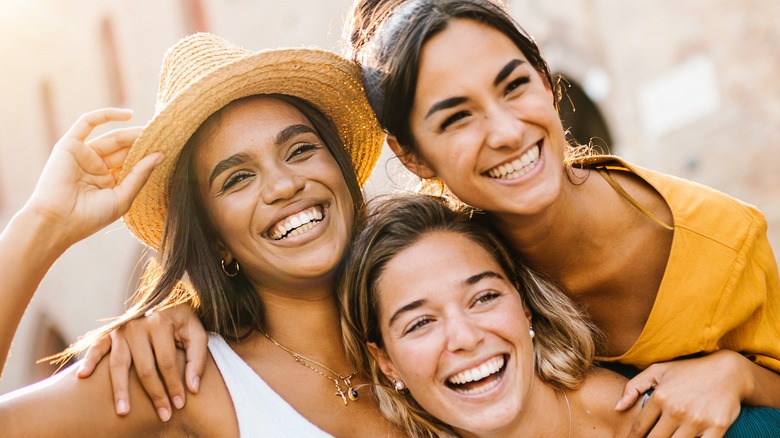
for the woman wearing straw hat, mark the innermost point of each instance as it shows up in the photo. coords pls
(255, 188)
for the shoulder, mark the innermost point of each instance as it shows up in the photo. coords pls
(597, 396)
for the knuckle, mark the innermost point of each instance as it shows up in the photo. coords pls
(145, 372)
(166, 363)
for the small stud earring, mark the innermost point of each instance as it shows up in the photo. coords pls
(399, 386)
(531, 332)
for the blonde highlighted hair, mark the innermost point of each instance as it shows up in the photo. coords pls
(564, 343)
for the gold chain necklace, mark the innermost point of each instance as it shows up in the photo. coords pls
(568, 408)
(351, 392)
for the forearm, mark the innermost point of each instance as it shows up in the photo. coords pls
(28, 248)
(76, 407)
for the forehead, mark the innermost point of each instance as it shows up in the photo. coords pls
(254, 116)
(440, 261)
(465, 52)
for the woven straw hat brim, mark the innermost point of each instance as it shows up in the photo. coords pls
(322, 78)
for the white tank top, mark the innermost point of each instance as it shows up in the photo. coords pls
(261, 412)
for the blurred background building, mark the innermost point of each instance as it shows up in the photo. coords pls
(682, 86)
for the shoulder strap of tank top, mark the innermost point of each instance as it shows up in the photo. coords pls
(604, 172)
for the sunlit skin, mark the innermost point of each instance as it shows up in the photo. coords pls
(266, 163)
(469, 118)
(435, 326)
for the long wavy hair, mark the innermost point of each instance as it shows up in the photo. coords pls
(387, 37)
(187, 268)
(564, 343)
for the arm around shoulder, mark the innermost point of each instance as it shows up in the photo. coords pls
(64, 405)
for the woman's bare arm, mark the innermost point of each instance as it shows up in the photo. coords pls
(76, 195)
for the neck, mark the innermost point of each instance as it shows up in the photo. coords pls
(559, 238)
(546, 413)
(291, 319)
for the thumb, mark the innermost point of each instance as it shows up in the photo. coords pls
(129, 188)
(640, 384)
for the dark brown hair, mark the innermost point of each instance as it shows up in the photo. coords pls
(391, 56)
(187, 267)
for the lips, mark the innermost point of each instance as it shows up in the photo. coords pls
(479, 379)
(517, 167)
(297, 223)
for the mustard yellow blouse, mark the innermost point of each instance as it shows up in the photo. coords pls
(720, 289)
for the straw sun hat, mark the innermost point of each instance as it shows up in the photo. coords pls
(202, 73)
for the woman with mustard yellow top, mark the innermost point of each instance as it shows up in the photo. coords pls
(666, 268)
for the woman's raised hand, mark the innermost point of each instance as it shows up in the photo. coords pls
(150, 344)
(77, 193)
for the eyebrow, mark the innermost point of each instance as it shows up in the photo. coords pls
(507, 70)
(411, 306)
(444, 104)
(291, 131)
(455, 101)
(227, 163)
(474, 279)
(242, 157)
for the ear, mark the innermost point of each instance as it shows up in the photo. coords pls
(528, 315)
(222, 251)
(410, 160)
(384, 362)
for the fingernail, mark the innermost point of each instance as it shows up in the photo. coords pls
(178, 402)
(195, 384)
(121, 407)
(164, 414)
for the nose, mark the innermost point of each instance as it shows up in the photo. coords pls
(281, 183)
(504, 128)
(463, 334)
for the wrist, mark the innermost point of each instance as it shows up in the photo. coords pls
(35, 232)
(741, 370)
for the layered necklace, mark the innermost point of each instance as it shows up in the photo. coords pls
(347, 392)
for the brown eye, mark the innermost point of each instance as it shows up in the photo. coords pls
(517, 83)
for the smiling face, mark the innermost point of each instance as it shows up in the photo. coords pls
(453, 330)
(273, 193)
(484, 122)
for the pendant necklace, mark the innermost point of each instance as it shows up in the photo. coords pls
(350, 394)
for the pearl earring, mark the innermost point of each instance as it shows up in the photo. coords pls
(531, 332)
(399, 386)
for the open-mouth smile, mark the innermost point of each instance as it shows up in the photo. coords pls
(517, 167)
(479, 379)
(297, 223)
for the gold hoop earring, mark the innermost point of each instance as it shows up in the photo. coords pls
(234, 268)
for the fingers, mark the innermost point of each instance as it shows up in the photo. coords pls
(114, 146)
(119, 370)
(90, 120)
(165, 351)
(146, 364)
(94, 355)
(195, 343)
(636, 387)
(129, 188)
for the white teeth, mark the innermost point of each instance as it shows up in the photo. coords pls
(478, 373)
(296, 224)
(518, 167)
